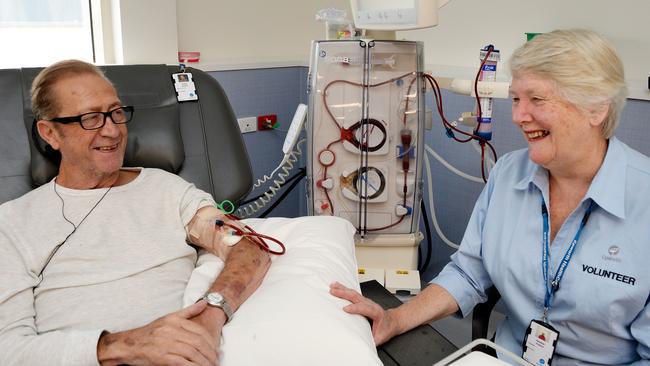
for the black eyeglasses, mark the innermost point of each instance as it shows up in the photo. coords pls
(96, 120)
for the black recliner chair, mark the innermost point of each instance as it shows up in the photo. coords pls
(198, 140)
(481, 318)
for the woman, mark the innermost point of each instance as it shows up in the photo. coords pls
(578, 187)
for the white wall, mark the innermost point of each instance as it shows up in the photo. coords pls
(251, 31)
(468, 25)
(244, 32)
(144, 31)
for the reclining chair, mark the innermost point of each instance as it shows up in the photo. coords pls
(198, 140)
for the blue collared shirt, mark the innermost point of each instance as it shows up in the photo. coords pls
(601, 307)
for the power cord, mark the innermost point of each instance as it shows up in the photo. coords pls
(301, 173)
(290, 159)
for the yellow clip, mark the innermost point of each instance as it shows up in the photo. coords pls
(402, 272)
(361, 271)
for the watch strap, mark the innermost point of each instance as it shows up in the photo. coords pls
(223, 305)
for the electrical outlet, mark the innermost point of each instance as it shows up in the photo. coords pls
(247, 124)
(266, 122)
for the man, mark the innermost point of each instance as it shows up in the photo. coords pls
(95, 262)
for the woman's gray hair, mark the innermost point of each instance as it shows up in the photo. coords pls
(584, 67)
(44, 103)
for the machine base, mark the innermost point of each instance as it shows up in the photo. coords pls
(369, 274)
(403, 281)
(390, 259)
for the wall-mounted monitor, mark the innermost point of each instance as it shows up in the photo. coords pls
(395, 14)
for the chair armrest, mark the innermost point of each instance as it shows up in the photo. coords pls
(420, 346)
(481, 317)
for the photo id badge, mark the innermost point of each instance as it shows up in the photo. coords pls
(539, 343)
(184, 86)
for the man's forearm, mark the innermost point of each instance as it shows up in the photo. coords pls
(171, 339)
(53, 348)
(108, 348)
(243, 272)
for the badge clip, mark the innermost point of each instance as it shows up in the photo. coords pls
(539, 343)
(184, 86)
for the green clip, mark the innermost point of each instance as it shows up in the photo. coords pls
(226, 206)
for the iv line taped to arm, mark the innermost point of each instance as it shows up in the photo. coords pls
(202, 231)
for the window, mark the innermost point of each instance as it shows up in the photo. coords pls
(40, 32)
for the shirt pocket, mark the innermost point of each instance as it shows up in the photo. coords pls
(609, 293)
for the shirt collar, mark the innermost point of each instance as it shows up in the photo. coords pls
(607, 188)
(535, 174)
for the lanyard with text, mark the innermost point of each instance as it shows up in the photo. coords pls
(555, 284)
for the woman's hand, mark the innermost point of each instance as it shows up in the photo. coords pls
(384, 323)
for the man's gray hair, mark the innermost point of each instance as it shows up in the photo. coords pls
(44, 103)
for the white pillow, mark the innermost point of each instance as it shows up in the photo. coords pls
(292, 319)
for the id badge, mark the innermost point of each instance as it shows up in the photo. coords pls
(184, 86)
(539, 343)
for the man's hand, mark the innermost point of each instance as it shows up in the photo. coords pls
(171, 340)
(384, 325)
(212, 319)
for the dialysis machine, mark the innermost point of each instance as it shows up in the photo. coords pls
(366, 139)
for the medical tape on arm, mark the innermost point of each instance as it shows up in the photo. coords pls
(203, 232)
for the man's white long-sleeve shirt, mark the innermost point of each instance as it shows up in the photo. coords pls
(126, 265)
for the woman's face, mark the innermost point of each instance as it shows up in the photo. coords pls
(558, 133)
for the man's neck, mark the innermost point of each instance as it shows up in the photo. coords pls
(65, 179)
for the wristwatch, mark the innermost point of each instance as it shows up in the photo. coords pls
(217, 300)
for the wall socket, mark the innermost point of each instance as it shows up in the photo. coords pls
(247, 124)
(266, 122)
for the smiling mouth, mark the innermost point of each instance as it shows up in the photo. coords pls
(535, 135)
(107, 148)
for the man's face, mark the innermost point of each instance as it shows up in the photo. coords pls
(87, 155)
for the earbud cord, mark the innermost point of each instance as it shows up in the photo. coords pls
(40, 275)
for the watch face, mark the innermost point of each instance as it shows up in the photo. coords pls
(217, 300)
(214, 298)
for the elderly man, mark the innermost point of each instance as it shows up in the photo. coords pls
(95, 262)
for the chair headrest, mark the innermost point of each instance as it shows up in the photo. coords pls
(154, 133)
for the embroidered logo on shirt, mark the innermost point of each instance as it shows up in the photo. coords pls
(613, 252)
(609, 274)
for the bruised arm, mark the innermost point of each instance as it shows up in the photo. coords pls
(245, 264)
(242, 274)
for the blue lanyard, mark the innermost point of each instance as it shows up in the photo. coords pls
(555, 284)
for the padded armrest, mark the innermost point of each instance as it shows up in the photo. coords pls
(14, 145)
(422, 346)
(481, 318)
